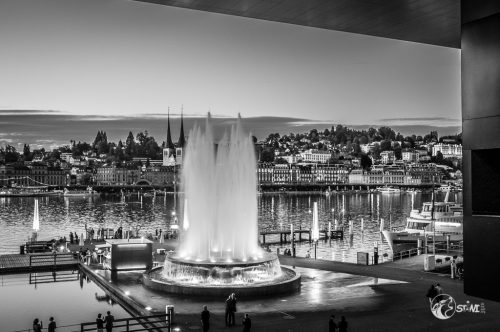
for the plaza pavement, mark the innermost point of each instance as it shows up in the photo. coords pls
(387, 307)
(397, 307)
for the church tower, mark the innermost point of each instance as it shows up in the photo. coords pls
(169, 149)
(179, 151)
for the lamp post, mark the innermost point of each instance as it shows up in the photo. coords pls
(315, 228)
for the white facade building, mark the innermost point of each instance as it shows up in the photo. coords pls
(410, 156)
(448, 150)
(315, 156)
(387, 157)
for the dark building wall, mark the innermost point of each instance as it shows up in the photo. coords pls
(481, 145)
(134, 256)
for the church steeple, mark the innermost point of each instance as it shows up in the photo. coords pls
(170, 144)
(182, 140)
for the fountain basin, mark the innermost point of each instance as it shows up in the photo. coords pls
(260, 277)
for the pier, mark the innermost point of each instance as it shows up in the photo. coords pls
(37, 262)
(284, 236)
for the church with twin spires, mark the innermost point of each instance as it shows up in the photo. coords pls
(173, 155)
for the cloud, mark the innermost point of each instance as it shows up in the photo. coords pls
(418, 119)
(26, 112)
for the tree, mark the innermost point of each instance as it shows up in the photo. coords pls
(439, 157)
(267, 155)
(130, 146)
(11, 155)
(386, 133)
(363, 140)
(385, 145)
(280, 161)
(28, 156)
(366, 162)
(398, 154)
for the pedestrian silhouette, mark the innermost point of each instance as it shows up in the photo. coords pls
(342, 325)
(230, 310)
(247, 323)
(332, 326)
(52, 325)
(108, 321)
(205, 319)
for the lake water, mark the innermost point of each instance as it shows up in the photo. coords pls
(71, 300)
(61, 215)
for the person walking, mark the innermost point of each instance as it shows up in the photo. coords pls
(247, 323)
(342, 325)
(332, 326)
(52, 325)
(37, 325)
(431, 293)
(205, 319)
(108, 321)
(100, 323)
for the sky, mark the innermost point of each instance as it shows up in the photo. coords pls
(108, 60)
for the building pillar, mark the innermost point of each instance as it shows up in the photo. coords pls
(481, 144)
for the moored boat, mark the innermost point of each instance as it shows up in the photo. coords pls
(80, 193)
(388, 190)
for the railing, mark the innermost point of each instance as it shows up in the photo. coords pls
(406, 253)
(52, 260)
(136, 324)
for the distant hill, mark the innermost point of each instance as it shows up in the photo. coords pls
(52, 128)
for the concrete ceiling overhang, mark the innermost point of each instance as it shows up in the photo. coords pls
(435, 22)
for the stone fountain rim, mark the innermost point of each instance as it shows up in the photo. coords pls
(282, 287)
(268, 257)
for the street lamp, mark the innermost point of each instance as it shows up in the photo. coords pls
(315, 228)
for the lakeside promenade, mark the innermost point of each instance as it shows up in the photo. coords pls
(389, 306)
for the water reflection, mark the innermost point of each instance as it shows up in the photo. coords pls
(358, 214)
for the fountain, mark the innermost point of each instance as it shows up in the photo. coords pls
(219, 251)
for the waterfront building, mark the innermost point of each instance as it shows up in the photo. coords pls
(34, 175)
(117, 175)
(427, 173)
(448, 150)
(161, 175)
(145, 161)
(268, 173)
(315, 156)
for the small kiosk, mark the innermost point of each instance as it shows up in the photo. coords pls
(128, 254)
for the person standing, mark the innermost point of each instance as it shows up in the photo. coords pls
(205, 319)
(439, 291)
(52, 325)
(109, 322)
(37, 325)
(431, 293)
(71, 237)
(230, 310)
(332, 326)
(247, 323)
(99, 322)
(342, 325)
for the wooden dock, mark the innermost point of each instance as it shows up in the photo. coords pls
(37, 262)
(284, 236)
